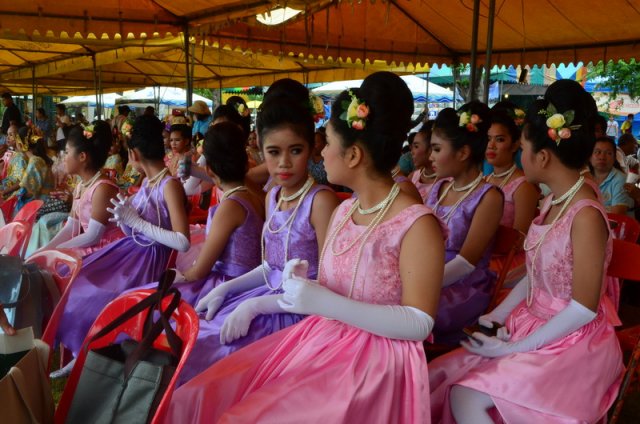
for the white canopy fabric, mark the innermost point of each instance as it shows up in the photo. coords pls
(417, 85)
(170, 96)
(108, 100)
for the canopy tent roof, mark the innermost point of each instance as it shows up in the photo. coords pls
(431, 31)
(417, 86)
(108, 100)
(58, 43)
(170, 96)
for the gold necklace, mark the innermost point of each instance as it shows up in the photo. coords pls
(395, 190)
(567, 199)
(287, 224)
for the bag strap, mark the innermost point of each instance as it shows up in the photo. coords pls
(175, 343)
(164, 284)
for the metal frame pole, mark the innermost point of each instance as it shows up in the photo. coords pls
(473, 77)
(487, 64)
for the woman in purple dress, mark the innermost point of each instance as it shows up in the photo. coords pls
(243, 310)
(471, 209)
(155, 222)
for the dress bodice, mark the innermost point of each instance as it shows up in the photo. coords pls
(378, 278)
(298, 238)
(509, 209)
(551, 275)
(460, 221)
(151, 204)
(242, 252)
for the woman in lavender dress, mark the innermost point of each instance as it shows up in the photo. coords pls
(471, 209)
(155, 222)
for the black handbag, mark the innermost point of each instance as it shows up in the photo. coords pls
(27, 292)
(124, 382)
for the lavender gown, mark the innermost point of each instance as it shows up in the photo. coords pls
(303, 244)
(462, 302)
(122, 265)
(240, 255)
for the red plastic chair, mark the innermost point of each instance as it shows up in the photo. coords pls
(13, 238)
(29, 211)
(64, 266)
(624, 265)
(342, 196)
(624, 227)
(508, 244)
(7, 208)
(186, 327)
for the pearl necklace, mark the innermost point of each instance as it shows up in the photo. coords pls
(91, 180)
(298, 193)
(395, 190)
(395, 172)
(470, 188)
(570, 193)
(80, 191)
(287, 224)
(377, 207)
(567, 198)
(473, 183)
(228, 193)
(506, 175)
(152, 183)
(427, 176)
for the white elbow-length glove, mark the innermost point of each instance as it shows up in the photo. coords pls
(213, 300)
(237, 324)
(125, 214)
(91, 237)
(307, 297)
(455, 269)
(565, 322)
(65, 234)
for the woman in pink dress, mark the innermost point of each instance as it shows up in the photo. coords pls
(557, 358)
(520, 196)
(359, 357)
(88, 228)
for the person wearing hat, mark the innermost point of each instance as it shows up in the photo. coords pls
(202, 119)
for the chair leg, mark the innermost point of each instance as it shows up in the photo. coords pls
(628, 376)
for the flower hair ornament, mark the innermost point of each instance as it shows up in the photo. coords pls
(242, 109)
(519, 116)
(469, 121)
(317, 107)
(559, 124)
(355, 112)
(88, 131)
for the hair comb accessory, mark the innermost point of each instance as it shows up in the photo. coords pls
(469, 121)
(88, 131)
(355, 112)
(559, 124)
(317, 107)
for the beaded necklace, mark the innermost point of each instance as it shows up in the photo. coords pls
(506, 175)
(567, 198)
(302, 194)
(152, 183)
(469, 188)
(393, 193)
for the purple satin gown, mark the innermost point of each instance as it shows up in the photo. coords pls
(462, 302)
(120, 266)
(303, 244)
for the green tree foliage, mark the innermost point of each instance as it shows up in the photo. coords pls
(622, 77)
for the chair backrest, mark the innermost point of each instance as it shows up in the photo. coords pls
(186, 327)
(13, 238)
(29, 211)
(64, 266)
(507, 244)
(7, 207)
(624, 227)
(342, 195)
(624, 260)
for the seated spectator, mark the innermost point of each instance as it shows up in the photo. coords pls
(610, 179)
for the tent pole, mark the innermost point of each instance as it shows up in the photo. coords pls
(487, 64)
(95, 85)
(34, 93)
(473, 77)
(187, 62)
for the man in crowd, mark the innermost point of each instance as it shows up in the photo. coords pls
(11, 116)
